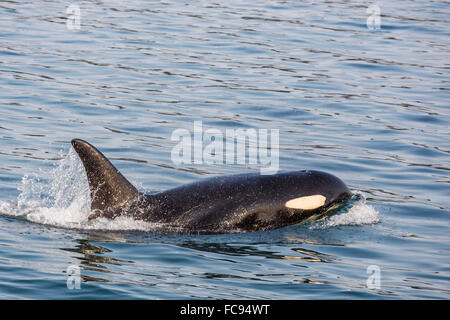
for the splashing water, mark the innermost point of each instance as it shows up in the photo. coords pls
(64, 188)
(60, 197)
(358, 213)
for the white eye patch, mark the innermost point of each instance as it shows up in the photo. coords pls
(306, 203)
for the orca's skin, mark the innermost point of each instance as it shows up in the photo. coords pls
(243, 202)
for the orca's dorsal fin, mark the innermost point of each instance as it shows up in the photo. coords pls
(108, 187)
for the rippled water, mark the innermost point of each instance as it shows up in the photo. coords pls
(370, 106)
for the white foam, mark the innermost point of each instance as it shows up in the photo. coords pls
(71, 218)
(60, 197)
(8, 207)
(359, 213)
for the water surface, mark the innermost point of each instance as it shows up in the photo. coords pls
(370, 106)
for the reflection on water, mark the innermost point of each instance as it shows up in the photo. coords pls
(93, 259)
(100, 263)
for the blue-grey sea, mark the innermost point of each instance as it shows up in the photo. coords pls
(354, 88)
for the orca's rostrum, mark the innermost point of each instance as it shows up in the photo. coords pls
(243, 202)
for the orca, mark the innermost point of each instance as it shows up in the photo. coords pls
(222, 204)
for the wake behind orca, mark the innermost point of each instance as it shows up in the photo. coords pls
(243, 202)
